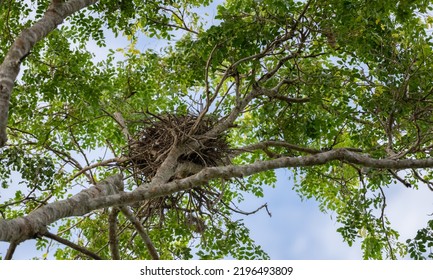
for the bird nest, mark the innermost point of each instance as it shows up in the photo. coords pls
(149, 147)
(156, 135)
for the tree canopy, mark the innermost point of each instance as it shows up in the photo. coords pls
(144, 153)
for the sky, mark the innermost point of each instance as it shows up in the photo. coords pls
(297, 229)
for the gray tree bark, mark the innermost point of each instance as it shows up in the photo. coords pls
(104, 194)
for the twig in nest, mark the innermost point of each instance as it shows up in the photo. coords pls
(156, 135)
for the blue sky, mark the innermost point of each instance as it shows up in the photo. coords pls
(298, 230)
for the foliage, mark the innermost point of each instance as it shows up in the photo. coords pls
(417, 247)
(280, 78)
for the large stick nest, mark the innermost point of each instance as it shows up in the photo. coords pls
(149, 147)
(156, 135)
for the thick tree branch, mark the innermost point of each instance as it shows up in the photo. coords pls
(11, 251)
(34, 224)
(113, 240)
(104, 194)
(135, 222)
(10, 66)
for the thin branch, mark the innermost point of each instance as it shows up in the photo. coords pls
(237, 210)
(289, 100)
(209, 100)
(223, 97)
(121, 122)
(382, 218)
(99, 164)
(142, 231)
(72, 245)
(3, 206)
(228, 121)
(184, 26)
(91, 177)
(267, 144)
(64, 156)
(275, 143)
(74, 225)
(401, 180)
(428, 183)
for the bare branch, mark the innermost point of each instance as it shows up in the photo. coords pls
(401, 180)
(274, 94)
(267, 144)
(382, 218)
(275, 143)
(252, 212)
(72, 245)
(209, 100)
(77, 144)
(142, 231)
(98, 164)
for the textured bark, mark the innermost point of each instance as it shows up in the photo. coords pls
(106, 193)
(34, 224)
(22, 46)
(112, 234)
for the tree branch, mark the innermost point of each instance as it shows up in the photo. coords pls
(34, 224)
(276, 143)
(113, 241)
(72, 245)
(11, 250)
(273, 94)
(103, 194)
(98, 164)
(10, 66)
(142, 231)
(252, 212)
(135, 222)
